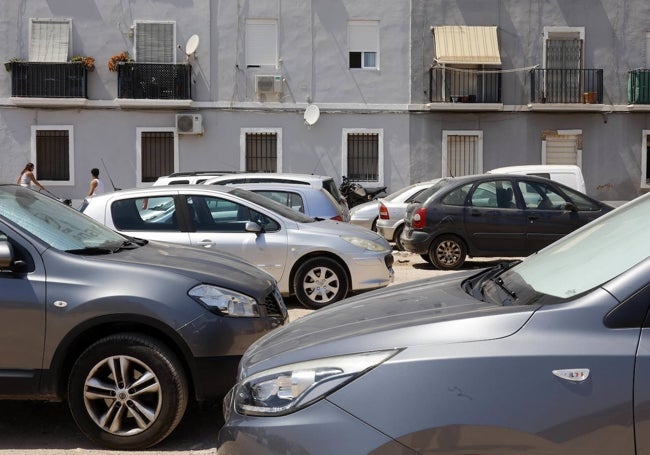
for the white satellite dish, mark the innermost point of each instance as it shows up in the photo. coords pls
(311, 115)
(192, 45)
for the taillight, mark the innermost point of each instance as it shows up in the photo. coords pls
(383, 212)
(418, 220)
(337, 218)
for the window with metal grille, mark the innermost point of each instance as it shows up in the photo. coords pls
(462, 153)
(261, 152)
(53, 155)
(155, 42)
(363, 157)
(157, 154)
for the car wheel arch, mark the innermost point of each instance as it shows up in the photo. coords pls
(315, 255)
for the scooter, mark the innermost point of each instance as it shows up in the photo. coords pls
(355, 194)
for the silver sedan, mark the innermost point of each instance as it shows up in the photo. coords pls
(319, 262)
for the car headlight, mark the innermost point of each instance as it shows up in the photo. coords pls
(226, 301)
(364, 243)
(288, 388)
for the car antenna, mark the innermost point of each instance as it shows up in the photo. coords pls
(109, 176)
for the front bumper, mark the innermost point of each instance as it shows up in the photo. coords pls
(371, 272)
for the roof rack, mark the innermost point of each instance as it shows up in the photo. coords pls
(192, 173)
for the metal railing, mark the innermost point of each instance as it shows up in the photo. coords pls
(454, 85)
(566, 86)
(48, 80)
(154, 81)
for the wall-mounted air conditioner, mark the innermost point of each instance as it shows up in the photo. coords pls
(189, 123)
(268, 84)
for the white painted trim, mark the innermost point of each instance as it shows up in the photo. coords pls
(447, 133)
(70, 130)
(138, 151)
(645, 136)
(380, 153)
(565, 133)
(242, 145)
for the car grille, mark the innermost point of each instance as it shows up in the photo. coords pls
(274, 304)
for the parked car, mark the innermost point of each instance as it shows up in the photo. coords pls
(493, 215)
(318, 261)
(367, 214)
(392, 211)
(543, 356)
(317, 181)
(314, 202)
(127, 331)
(567, 174)
(189, 178)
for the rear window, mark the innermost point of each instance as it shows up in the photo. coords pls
(424, 195)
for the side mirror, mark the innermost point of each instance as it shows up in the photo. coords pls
(571, 207)
(6, 255)
(252, 226)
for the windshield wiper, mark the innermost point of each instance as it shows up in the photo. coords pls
(91, 250)
(499, 282)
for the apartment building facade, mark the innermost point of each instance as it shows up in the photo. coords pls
(387, 93)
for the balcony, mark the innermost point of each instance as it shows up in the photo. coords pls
(154, 84)
(566, 86)
(638, 86)
(44, 83)
(455, 85)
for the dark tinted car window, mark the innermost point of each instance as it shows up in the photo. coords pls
(541, 196)
(424, 195)
(213, 214)
(580, 201)
(457, 196)
(145, 214)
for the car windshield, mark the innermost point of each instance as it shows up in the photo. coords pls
(56, 224)
(424, 195)
(579, 262)
(272, 205)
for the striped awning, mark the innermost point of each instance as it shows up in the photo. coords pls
(463, 44)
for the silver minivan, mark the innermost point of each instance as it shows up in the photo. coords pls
(127, 331)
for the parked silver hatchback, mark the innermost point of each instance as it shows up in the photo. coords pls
(318, 261)
(127, 331)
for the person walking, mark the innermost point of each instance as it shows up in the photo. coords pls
(96, 187)
(27, 179)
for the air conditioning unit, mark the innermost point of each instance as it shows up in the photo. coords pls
(268, 84)
(189, 123)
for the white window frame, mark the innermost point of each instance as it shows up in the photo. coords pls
(563, 32)
(242, 145)
(258, 52)
(364, 48)
(48, 44)
(576, 133)
(645, 137)
(138, 152)
(380, 153)
(647, 49)
(135, 38)
(70, 130)
(445, 148)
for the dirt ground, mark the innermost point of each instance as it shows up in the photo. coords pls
(35, 428)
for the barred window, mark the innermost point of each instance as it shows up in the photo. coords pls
(363, 157)
(261, 152)
(157, 154)
(462, 153)
(53, 155)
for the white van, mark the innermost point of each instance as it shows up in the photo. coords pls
(567, 174)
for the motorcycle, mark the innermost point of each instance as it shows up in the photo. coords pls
(355, 194)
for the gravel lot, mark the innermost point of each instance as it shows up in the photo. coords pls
(35, 428)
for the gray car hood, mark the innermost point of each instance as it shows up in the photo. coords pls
(416, 313)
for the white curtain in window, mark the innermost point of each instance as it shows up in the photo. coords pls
(261, 42)
(155, 42)
(49, 40)
(363, 36)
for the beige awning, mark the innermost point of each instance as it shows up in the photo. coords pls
(463, 44)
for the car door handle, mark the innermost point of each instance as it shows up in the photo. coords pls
(476, 213)
(205, 243)
(573, 374)
(533, 218)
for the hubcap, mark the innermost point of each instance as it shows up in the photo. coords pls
(122, 395)
(448, 252)
(321, 284)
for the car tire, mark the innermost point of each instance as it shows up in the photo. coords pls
(426, 258)
(151, 386)
(319, 282)
(399, 246)
(447, 252)
(373, 227)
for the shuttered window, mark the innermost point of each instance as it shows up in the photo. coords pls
(157, 154)
(53, 155)
(261, 42)
(49, 40)
(155, 42)
(261, 152)
(562, 150)
(462, 153)
(363, 43)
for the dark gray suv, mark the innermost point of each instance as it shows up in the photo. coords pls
(127, 331)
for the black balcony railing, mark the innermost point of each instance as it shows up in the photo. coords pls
(48, 80)
(566, 86)
(453, 85)
(638, 86)
(154, 81)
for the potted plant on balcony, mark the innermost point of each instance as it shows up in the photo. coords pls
(88, 62)
(115, 60)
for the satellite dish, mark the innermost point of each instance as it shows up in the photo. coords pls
(192, 44)
(311, 114)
